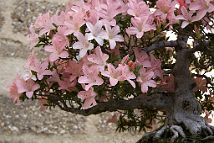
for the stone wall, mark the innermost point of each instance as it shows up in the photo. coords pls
(25, 123)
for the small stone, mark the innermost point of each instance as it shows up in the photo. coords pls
(13, 128)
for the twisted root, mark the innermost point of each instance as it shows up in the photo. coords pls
(176, 132)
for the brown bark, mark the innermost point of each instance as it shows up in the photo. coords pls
(183, 115)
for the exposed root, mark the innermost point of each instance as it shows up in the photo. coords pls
(198, 128)
(176, 130)
(176, 133)
(160, 132)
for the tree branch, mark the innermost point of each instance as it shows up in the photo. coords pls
(202, 46)
(161, 44)
(158, 101)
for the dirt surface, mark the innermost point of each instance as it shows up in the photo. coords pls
(26, 123)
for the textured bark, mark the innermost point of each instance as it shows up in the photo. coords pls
(155, 101)
(186, 109)
(183, 115)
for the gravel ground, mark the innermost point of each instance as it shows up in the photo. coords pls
(26, 123)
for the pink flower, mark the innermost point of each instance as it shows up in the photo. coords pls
(33, 37)
(44, 24)
(145, 79)
(98, 58)
(68, 82)
(27, 87)
(92, 16)
(165, 10)
(182, 3)
(41, 69)
(127, 74)
(88, 97)
(57, 49)
(165, 5)
(83, 44)
(138, 8)
(32, 62)
(140, 26)
(121, 73)
(108, 9)
(73, 22)
(203, 7)
(113, 74)
(59, 18)
(156, 67)
(74, 68)
(112, 36)
(186, 16)
(90, 77)
(95, 32)
(142, 58)
(14, 94)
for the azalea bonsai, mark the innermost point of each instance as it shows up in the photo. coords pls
(118, 56)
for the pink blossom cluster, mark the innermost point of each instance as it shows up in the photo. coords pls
(85, 45)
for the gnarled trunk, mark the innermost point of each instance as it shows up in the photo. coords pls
(183, 114)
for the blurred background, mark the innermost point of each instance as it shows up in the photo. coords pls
(26, 123)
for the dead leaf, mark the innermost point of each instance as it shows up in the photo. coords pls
(201, 84)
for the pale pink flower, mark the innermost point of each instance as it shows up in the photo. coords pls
(127, 75)
(32, 62)
(83, 44)
(44, 23)
(187, 17)
(98, 58)
(88, 97)
(125, 60)
(121, 73)
(27, 87)
(92, 16)
(142, 58)
(57, 49)
(156, 67)
(203, 7)
(79, 6)
(138, 8)
(59, 18)
(145, 79)
(108, 9)
(165, 5)
(165, 10)
(95, 32)
(90, 77)
(73, 22)
(113, 74)
(112, 35)
(33, 37)
(140, 26)
(41, 68)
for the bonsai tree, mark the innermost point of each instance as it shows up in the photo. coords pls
(149, 61)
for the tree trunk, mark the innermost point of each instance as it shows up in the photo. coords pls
(183, 116)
